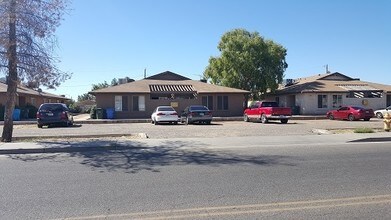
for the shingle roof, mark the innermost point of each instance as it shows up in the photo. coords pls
(331, 82)
(150, 85)
(24, 90)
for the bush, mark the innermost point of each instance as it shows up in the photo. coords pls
(29, 111)
(74, 108)
(363, 130)
(93, 112)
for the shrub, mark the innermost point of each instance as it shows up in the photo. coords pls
(363, 130)
(93, 112)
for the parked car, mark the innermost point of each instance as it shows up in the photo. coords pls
(265, 111)
(164, 114)
(54, 114)
(380, 113)
(196, 113)
(351, 113)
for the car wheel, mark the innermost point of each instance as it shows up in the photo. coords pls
(245, 118)
(263, 119)
(351, 117)
(331, 117)
(175, 122)
(40, 126)
(367, 119)
(284, 121)
(207, 122)
(155, 122)
(379, 115)
(187, 121)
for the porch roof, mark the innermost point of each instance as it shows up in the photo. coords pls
(159, 88)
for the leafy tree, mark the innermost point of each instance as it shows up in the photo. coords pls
(26, 48)
(248, 62)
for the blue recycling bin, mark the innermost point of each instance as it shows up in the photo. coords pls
(16, 115)
(110, 113)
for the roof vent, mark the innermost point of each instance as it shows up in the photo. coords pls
(288, 82)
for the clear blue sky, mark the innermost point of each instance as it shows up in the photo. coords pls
(106, 39)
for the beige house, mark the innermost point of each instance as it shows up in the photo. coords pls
(317, 94)
(138, 99)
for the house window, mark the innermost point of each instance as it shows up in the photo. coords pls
(322, 101)
(222, 102)
(33, 101)
(208, 101)
(118, 103)
(125, 103)
(138, 103)
(337, 101)
(121, 103)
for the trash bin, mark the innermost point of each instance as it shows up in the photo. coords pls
(99, 113)
(110, 113)
(16, 115)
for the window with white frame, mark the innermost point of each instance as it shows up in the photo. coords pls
(118, 103)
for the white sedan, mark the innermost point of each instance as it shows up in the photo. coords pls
(380, 113)
(164, 114)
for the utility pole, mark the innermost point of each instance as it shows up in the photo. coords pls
(327, 68)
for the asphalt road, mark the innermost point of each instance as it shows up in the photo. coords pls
(316, 177)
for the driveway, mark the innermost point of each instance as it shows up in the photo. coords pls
(216, 129)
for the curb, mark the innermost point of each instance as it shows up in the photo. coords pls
(43, 150)
(21, 138)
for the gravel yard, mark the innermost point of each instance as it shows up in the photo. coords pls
(216, 129)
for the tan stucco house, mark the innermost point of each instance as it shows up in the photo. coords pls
(139, 98)
(317, 94)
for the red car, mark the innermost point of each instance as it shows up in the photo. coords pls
(351, 113)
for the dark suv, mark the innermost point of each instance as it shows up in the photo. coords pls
(54, 114)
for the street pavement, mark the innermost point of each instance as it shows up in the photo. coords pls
(339, 176)
(29, 139)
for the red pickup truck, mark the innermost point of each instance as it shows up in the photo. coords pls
(265, 111)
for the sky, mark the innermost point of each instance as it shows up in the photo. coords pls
(106, 39)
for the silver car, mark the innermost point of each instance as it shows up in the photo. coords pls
(196, 113)
(381, 112)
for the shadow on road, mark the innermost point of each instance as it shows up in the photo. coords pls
(375, 139)
(132, 157)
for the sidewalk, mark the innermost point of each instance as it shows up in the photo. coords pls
(191, 143)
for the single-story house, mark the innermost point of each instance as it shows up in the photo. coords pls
(317, 94)
(138, 99)
(26, 96)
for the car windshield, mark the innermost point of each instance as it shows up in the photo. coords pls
(165, 109)
(269, 104)
(199, 108)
